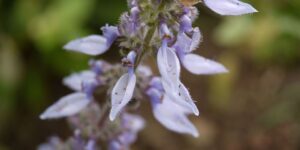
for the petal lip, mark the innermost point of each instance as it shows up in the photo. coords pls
(121, 94)
(66, 106)
(230, 7)
(179, 94)
(199, 65)
(90, 45)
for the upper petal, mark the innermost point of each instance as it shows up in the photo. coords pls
(196, 39)
(75, 80)
(121, 94)
(110, 33)
(91, 45)
(199, 65)
(168, 64)
(66, 106)
(229, 7)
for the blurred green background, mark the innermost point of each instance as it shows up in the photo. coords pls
(254, 107)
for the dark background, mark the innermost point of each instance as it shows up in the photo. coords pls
(253, 107)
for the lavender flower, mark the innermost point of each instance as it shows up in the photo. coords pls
(162, 28)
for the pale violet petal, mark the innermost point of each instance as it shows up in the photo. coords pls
(121, 94)
(186, 44)
(199, 65)
(168, 64)
(66, 106)
(183, 43)
(184, 94)
(110, 33)
(171, 116)
(75, 80)
(229, 7)
(179, 94)
(91, 45)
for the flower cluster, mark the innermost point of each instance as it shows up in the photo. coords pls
(162, 28)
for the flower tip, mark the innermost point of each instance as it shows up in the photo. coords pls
(223, 70)
(195, 134)
(196, 112)
(43, 117)
(112, 116)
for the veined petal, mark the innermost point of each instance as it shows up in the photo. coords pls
(91, 45)
(66, 106)
(168, 64)
(122, 94)
(229, 7)
(199, 65)
(75, 80)
(171, 116)
(179, 94)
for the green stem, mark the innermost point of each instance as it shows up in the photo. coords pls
(145, 46)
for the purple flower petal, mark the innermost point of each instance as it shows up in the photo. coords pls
(110, 33)
(229, 7)
(66, 106)
(199, 65)
(122, 94)
(168, 64)
(75, 80)
(179, 94)
(91, 45)
(172, 117)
